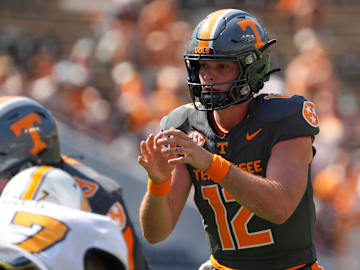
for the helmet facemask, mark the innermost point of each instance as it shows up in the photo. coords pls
(254, 71)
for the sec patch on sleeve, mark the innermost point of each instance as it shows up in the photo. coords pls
(309, 114)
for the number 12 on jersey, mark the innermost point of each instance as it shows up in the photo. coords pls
(242, 238)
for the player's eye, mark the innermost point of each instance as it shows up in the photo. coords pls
(223, 66)
(203, 65)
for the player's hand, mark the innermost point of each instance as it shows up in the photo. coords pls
(153, 160)
(186, 150)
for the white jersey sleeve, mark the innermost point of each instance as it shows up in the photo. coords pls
(59, 236)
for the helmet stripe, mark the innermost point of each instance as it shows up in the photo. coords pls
(208, 29)
(35, 182)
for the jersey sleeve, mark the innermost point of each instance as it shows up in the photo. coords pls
(176, 118)
(163, 123)
(299, 119)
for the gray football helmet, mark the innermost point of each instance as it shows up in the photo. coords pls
(228, 35)
(28, 135)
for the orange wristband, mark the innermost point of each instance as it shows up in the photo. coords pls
(218, 168)
(159, 189)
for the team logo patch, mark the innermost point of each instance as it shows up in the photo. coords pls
(309, 114)
(202, 50)
(197, 137)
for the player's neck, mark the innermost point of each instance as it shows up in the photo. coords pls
(231, 116)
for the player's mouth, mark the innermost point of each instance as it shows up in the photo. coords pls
(209, 89)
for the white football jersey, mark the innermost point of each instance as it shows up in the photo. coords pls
(58, 236)
(46, 183)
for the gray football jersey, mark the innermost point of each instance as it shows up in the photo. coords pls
(237, 238)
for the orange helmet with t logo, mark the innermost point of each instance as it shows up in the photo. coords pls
(28, 135)
(228, 35)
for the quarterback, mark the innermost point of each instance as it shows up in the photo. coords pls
(247, 155)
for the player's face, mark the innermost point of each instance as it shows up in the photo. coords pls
(217, 72)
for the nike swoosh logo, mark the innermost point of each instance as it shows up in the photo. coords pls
(251, 136)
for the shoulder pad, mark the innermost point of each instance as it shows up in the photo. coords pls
(274, 107)
(177, 117)
(288, 116)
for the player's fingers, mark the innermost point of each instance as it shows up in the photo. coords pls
(176, 151)
(172, 150)
(174, 132)
(177, 160)
(144, 150)
(141, 161)
(156, 139)
(180, 155)
(150, 143)
(173, 140)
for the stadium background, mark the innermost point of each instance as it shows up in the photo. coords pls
(109, 70)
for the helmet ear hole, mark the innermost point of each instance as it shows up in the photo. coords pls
(256, 73)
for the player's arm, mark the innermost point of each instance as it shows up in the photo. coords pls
(275, 197)
(159, 214)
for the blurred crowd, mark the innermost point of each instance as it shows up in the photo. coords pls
(117, 83)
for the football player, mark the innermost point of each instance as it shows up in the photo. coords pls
(247, 155)
(39, 235)
(29, 137)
